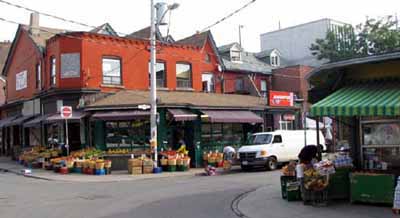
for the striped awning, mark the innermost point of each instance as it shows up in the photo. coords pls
(369, 99)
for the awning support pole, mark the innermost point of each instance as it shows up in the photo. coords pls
(318, 141)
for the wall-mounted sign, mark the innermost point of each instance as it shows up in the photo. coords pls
(21, 80)
(70, 65)
(281, 99)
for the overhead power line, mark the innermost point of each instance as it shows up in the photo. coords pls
(53, 16)
(228, 16)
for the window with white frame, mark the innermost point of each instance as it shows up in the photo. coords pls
(275, 60)
(264, 88)
(53, 71)
(38, 76)
(112, 71)
(235, 55)
(208, 82)
(183, 75)
(160, 74)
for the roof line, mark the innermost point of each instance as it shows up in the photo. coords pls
(303, 24)
(355, 61)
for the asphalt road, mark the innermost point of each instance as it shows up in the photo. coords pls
(184, 197)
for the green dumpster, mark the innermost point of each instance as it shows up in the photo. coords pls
(372, 188)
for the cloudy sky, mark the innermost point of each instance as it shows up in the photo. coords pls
(193, 15)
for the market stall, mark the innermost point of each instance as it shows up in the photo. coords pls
(363, 96)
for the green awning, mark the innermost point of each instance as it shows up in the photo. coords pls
(369, 99)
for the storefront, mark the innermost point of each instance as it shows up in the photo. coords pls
(366, 102)
(282, 115)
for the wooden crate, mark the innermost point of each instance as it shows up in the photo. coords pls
(136, 170)
(148, 163)
(148, 169)
(134, 163)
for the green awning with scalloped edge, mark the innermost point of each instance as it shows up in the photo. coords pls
(368, 99)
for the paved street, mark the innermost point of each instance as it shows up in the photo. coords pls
(191, 196)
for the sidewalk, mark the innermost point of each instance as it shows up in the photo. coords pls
(267, 202)
(7, 165)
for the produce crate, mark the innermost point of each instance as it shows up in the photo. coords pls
(293, 191)
(108, 171)
(171, 168)
(284, 181)
(100, 172)
(148, 169)
(182, 168)
(148, 163)
(372, 188)
(339, 184)
(136, 170)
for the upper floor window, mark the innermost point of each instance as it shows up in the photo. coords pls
(264, 88)
(53, 71)
(183, 75)
(112, 71)
(208, 82)
(160, 75)
(235, 55)
(38, 76)
(208, 58)
(275, 60)
(239, 84)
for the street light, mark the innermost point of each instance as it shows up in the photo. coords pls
(156, 20)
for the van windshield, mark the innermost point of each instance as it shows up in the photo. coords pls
(260, 139)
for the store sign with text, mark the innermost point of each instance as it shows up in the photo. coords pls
(281, 99)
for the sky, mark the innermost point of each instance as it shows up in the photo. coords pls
(194, 15)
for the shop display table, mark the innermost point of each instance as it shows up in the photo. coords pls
(372, 188)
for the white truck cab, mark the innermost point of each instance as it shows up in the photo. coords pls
(267, 149)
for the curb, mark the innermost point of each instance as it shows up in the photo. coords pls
(21, 174)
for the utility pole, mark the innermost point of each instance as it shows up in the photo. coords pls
(153, 90)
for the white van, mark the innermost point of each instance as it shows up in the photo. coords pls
(267, 149)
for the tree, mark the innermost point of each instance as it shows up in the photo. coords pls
(376, 36)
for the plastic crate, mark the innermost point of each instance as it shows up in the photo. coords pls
(293, 191)
(284, 181)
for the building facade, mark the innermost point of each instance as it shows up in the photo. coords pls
(294, 42)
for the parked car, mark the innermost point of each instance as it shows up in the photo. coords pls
(268, 149)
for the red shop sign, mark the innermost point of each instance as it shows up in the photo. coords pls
(281, 99)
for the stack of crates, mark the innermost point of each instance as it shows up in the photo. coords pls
(147, 166)
(284, 181)
(135, 166)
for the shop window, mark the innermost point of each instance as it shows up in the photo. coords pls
(38, 76)
(222, 133)
(183, 75)
(53, 71)
(160, 75)
(381, 145)
(127, 134)
(208, 82)
(112, 71)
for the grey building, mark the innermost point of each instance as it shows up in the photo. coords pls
(294, 42)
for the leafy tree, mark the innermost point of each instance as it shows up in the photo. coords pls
(375, 36)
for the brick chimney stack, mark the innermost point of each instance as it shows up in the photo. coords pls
(34, 24)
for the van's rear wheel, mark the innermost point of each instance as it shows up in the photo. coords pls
(272, 163)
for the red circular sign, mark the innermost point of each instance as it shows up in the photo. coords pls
(66, 112)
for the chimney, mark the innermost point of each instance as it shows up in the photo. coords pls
(34, 24)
